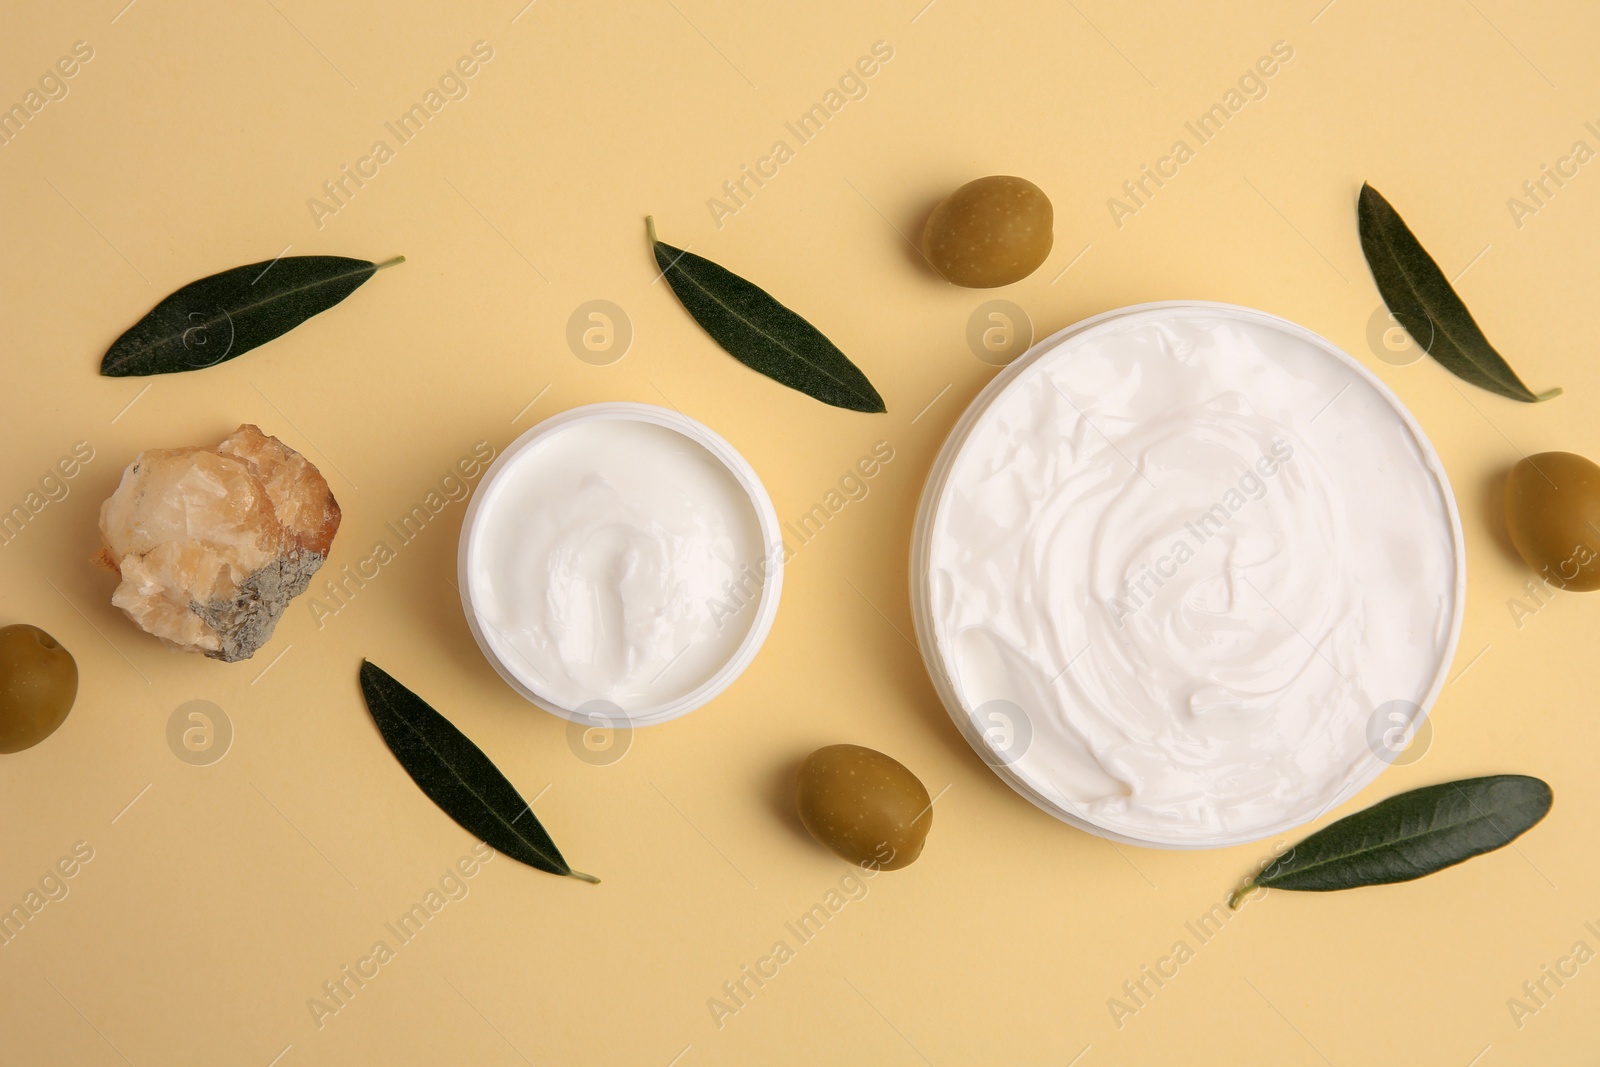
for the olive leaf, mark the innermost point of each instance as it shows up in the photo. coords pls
(223, 316)
(760, 332)
(1409, 835)
(1422, 300)
(457, 776)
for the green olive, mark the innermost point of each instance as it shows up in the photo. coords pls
(38, 683)
(1553, 514)
(864, 806)
(992, 231)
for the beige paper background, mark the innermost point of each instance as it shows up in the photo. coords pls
(225, 895)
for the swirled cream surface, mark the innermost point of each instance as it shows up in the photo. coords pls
(618, 561)
(1180, 563)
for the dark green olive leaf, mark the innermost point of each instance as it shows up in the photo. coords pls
(760, 332)
(457, 776)
(1409, 835)
(1422, 300)
(226, 315)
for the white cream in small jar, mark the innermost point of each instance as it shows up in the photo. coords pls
(616, 557)
(1174, 567)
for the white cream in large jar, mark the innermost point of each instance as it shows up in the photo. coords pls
(618, 560)
(1181, 565)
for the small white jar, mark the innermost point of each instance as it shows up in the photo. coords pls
(620, 562)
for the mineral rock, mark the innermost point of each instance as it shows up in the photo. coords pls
(213, 543)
